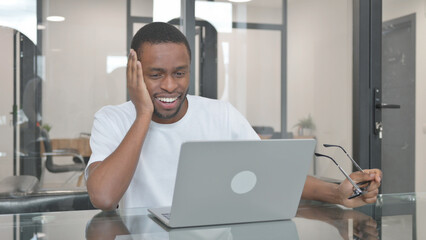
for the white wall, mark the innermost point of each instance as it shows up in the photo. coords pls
(6, 102)
(76, 82)
(252, 80)
(320, 74)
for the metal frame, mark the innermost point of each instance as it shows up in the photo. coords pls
(367, 57)
(376, 78)
(188, 26)
(15, 104)
(284, 74)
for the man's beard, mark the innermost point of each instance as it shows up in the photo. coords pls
(173, 114)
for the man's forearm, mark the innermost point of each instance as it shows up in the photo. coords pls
(318, 190)
(108, 180)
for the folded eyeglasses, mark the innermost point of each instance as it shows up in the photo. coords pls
(359, 188)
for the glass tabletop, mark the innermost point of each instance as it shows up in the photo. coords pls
(393, 216)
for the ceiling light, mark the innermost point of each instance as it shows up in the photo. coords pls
(55, 18)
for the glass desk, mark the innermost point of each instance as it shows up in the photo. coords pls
(394, 216)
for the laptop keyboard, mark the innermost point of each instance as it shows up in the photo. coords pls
(166, 215)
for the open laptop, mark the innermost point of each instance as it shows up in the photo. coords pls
(225, 182)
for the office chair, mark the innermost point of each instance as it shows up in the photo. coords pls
(23, 193)
(39, 136)
(49, 153)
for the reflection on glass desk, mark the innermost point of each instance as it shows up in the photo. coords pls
(394, 216)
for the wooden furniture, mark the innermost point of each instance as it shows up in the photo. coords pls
(80, 144)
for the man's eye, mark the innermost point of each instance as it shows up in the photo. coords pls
(156, 75)
(180, 74)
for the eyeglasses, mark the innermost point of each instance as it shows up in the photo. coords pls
(359, 188)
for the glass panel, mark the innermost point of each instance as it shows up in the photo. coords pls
(403, 81)
(319, 78)
(248, 76)
(255, 11)
(76, 67)
(141, 8)
(392, 217)
(84, 59)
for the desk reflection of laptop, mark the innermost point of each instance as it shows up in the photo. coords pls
(275, 230)
(226, 182)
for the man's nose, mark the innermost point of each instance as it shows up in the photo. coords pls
(168, 83)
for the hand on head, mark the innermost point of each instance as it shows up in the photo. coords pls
(136, 86)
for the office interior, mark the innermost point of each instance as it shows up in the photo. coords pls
(287, 65)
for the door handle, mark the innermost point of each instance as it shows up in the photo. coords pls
(378, 124)
(386, 105)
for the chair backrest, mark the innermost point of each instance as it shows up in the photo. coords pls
(49, 153)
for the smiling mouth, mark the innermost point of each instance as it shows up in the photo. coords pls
(167, 100)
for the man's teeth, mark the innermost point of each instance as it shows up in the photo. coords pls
(167, 100)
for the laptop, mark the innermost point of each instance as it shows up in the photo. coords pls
(226, 182)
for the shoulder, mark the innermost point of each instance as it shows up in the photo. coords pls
(113, 120)
(126, 109)
(207, 103)
(213, 108)
(122, 113)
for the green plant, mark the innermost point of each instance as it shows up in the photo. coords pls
(306, 123)
(46, 127)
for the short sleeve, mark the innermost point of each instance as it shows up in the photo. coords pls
(105, 137)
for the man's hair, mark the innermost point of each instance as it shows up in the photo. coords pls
(159, 32)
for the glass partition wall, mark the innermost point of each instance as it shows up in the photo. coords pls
(80, 60)
(76, 66)
(319, 78)
(286, 65)
(241, 58)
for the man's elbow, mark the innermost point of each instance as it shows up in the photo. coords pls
(101, 199)
(103, 203)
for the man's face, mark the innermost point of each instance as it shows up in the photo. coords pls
(166, 73)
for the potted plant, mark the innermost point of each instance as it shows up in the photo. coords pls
(305, 126)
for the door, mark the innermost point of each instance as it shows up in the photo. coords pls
(398, 86)
(30, 93)
(20, 110)
(384, 92)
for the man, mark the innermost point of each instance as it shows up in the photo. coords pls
(135, 146)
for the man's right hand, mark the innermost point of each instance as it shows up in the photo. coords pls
(109, 179)
(136, 86)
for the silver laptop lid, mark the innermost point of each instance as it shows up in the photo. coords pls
(239, 181)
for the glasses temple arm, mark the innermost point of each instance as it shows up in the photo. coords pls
(350, 179)
(343, 171)
(353, 161)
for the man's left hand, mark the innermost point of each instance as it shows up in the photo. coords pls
(346, 189)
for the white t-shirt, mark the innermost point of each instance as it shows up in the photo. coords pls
(153, 181)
